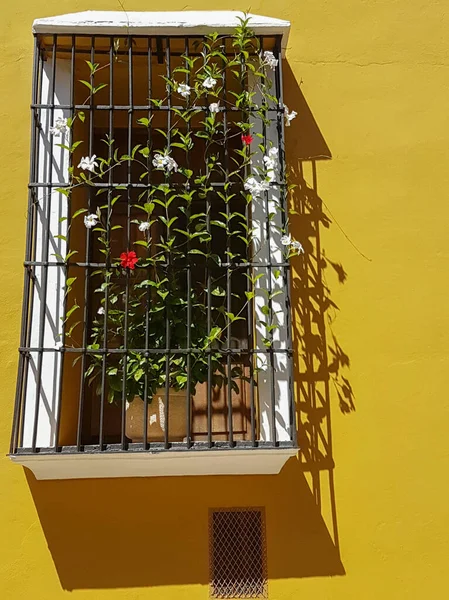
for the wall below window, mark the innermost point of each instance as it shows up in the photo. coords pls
(364, 514)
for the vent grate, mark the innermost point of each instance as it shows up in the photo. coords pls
(237, 553)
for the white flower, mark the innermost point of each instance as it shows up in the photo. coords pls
(88, 163)
(144, 226)
(286, 240)
(59, 345)
(183, 89)
(289, 116)
(101, 310)
(159, 161)
(163, 161)
(214, 107)
(271, 163)
(270, 60)
(90, 221)
(256, 188)
(297, 246)
(60, 127)
(209, 83)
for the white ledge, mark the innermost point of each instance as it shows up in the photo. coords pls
(195, 22)
(147, 464)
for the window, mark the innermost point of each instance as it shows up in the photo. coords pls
(156, 299)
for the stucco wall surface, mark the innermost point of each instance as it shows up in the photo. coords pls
(375, 77)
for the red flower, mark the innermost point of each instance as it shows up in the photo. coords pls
(128, 259)
(247, 139)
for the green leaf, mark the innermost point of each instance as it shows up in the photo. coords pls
(71, 311)
(75, 146)
(181, 379)
(70, 254)
(86, 83)
(99, 87)
(274, 294)
(218, 291)
(139, 374)
(79, 212)
(215, 333)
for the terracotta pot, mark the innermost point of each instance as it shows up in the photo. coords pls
(177, 414)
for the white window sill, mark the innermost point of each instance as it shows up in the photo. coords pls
(157, 464)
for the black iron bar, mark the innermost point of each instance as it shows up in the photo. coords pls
(250, 288)
(142, 107)
(45, 251)
(33, 241)
(20, 399)
(286, 270)
(167, 310)
(217, 184)
(128, 242)
(244, 265)
(269, 285)
(157, 447)
(209, 300)
(136, 52)
(86, 308)
(228, 269)
(223, 351)
(108, 242)
(65, 270)
(149, 252)
(189, 287)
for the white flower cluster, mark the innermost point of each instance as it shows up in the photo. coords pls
(286, 240)
(183, 89)
(270, 60)
(88, 163)
(209, 83)
(214, 107)
(60, 127)
(90, 221)
(289, 116)
(271, 162)
(256, 188)
(165, 162)
(144, 226)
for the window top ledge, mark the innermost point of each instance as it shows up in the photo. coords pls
(159, 23)
(147, 464)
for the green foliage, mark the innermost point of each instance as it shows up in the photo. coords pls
(154, 302)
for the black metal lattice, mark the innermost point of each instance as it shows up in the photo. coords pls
(118, 106)
(238, 566)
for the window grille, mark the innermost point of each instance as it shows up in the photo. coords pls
(118, 95)
(238, 566)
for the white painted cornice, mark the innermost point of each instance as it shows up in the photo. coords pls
(159, 23)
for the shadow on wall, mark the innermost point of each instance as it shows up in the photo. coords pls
(111, 533)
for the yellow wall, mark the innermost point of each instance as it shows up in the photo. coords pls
(375, 76)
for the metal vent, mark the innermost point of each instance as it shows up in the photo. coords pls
(237, 553)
